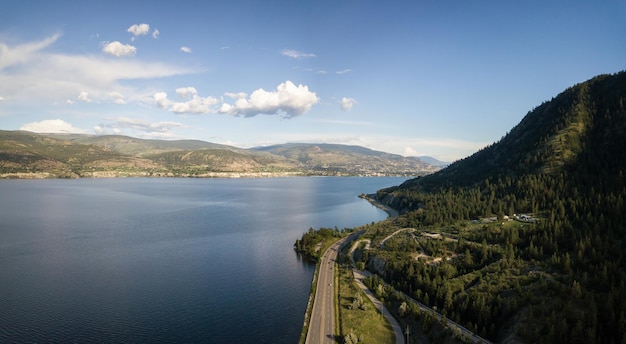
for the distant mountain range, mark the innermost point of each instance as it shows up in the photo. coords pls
(349, 159)
(432, 161)
(30, 155)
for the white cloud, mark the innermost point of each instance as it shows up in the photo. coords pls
(155, 34)
(118, 98)
(185, 50)
(195, 104)
(137, 127)
(40, 75)
(237, 95)
(23, 53)
(160, 98)
(118, 49)
(288, 99)
(70, 102)
(139, 29)
(408, 151)
(343, 71)
(187, 92)
(84, 96)
(137, 124)
(1, 99)
(294, 54)
(51, 126)
(347, 103)
(348, 123)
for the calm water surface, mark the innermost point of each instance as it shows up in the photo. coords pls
(165, 260)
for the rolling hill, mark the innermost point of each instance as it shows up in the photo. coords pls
(30, 155)
(349, 159)
(140, 147)
(433, 161)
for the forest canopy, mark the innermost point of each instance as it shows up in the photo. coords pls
(557, 274)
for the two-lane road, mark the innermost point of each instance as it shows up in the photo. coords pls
(322, 324)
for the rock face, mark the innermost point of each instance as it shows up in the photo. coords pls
(377, 265)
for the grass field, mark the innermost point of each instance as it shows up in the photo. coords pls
(368, 323)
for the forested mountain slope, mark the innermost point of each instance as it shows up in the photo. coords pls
(581, 131)
(555, 274)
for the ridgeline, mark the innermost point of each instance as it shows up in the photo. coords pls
(29, 155)
(524, 241)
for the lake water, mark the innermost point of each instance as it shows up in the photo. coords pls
(165, 260)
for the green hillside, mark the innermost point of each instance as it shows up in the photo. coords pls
(349, 159)
(23, 154)
(559, 134)
(524, 240)
(223, 160)
(140, 147)
(30, 155)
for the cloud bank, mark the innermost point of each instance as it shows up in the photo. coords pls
(194, 105)
(28, 71)
(52, 126)
(23, 53)
(288, 100)
(139, 127)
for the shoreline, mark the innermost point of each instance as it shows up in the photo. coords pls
(140, 174)
(165, 175)
(392, 213)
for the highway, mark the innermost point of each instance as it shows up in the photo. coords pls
(322, 323)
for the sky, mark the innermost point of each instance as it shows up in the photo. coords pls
(436, 78)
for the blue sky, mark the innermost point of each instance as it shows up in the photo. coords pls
(438, 78)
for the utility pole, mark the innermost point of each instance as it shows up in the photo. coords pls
(407, 334)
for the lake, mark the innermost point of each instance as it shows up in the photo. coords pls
(165, 260)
